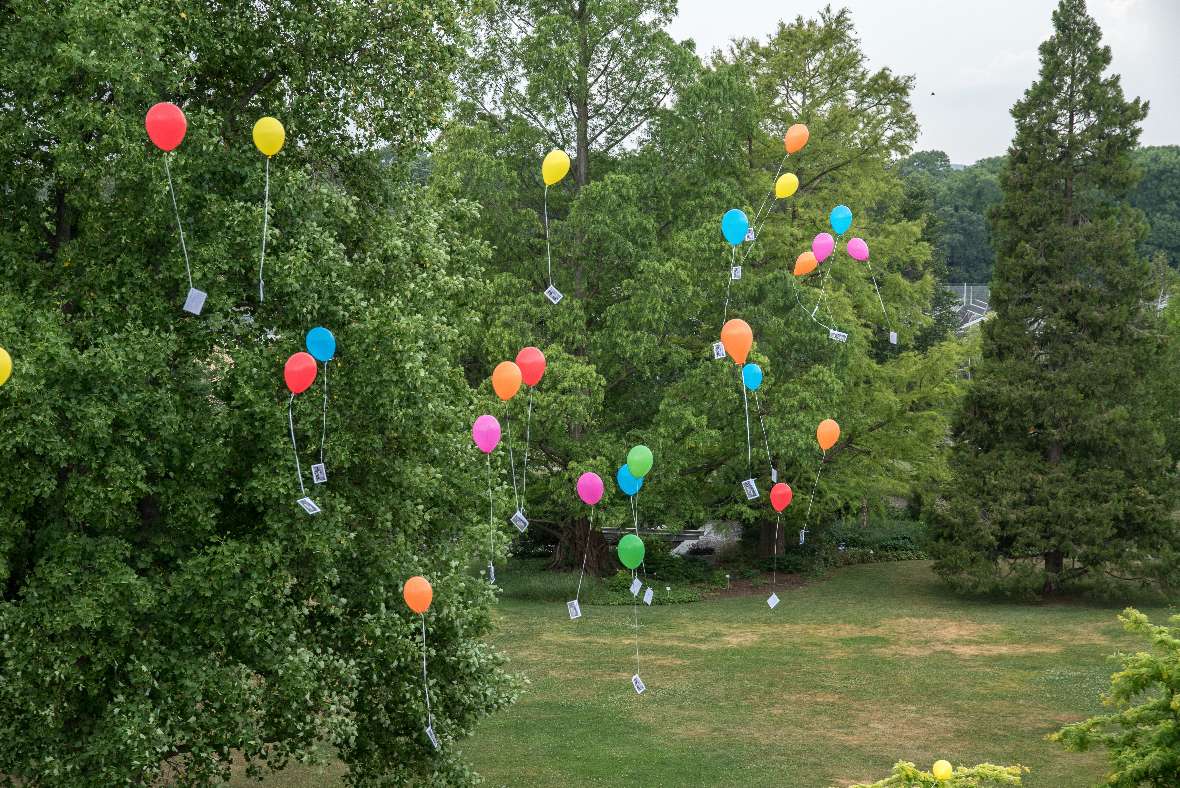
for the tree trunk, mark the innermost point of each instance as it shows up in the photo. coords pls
(766, 539)
(1054, 563)
(578, 540)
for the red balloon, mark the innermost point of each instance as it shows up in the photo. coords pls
(780, 496)
(299, 372)
(532, 365)
(165, 125)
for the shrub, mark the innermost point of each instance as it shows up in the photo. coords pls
(1143, 736)
(985, 775)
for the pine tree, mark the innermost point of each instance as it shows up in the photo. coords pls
(1059, 472)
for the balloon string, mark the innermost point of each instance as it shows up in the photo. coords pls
(585, 555)
(746, 407)
(265, 216)
(324, 430)
(823, 295)
(294, 448)
(635, 607)
(774, 566)
(759, 219)
(728, 282)
(511, 458)
(548, 255)
(524, 470)
(808, 312)
(425, 683)
(811, 498)
(635, 519)
(880, 300)
(491, 517)
(765, 439)
(183, 247)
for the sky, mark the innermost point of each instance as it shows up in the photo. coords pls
(976, 57)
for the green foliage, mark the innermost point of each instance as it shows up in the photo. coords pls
(1143, 736)
(985, 775)
(166, 605)
(636, 250)
(1158, 196)
(1060, 470)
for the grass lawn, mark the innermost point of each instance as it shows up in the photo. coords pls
(876, 663)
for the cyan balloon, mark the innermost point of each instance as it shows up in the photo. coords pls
(841, 219)
(752, 376)
(627, 483)
(734, 225)
(321, 344)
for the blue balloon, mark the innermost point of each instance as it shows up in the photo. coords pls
(627, 483)
(841, 219)
(752, 376)
(321, 344)
(734, 225)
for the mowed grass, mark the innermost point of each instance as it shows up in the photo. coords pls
(874, 664)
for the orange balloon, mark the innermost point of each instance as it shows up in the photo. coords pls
(737, 338)
(796, 138)
(418, 593)
(827, 434)
(805, 263)
(506, 379)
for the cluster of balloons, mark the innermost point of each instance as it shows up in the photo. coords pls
(300, 370)
(166, 126)
(630, 474)
(528, 368)
(824, 244)
(735, 225)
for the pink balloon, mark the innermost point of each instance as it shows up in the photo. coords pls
(858, 249)
(590, 488)
(822, 246)
(486, 433)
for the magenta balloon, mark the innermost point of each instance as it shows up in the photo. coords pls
(590, 488)
(822, 246)
(858, 249)
(486, 433)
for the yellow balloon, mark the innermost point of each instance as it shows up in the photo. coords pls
(269, 135)
(942, 770)
(5, 366)
(786, 185)
(555, 166)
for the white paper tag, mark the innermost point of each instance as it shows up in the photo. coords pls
(520, 521)
(802, 536)
(750, 487)
(718, 350)
(195, 301)
(635, 587)
(319, 473)
(750, 234)
(837, 336)
(553, 294)
(774, 475)
(491, 572)
(574, 608)
(647, 595)
(308, 505)
(638, 684)
(433, 738)
(735, 272)
(893, 337)
(772, 601)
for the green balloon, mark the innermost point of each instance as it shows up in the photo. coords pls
(639, 461)
(631, 551)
